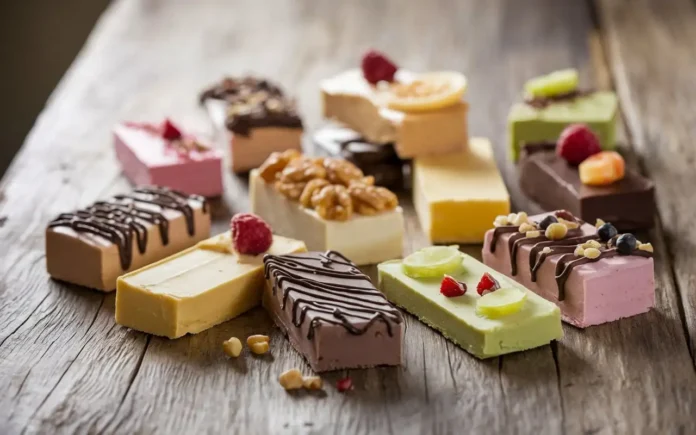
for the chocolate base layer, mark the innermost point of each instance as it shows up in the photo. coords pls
(377, 160)
(331, 312)
(628, 204)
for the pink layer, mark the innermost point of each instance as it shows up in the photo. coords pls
(201, 174)
(595, 293)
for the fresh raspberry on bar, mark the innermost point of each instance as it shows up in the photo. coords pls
(170, 131)
(487, 284)
(376, 67)
(451, 288)
(576, 143)
(250, 234)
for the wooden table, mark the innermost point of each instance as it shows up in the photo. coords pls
(66, 367)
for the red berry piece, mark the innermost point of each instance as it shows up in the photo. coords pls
(576, 143)
(170, 131)
(250, 234)
(451, 288)
(487, 284)
(344, 384)
(377, 67)
(566, 215)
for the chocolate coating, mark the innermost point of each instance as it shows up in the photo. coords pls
(547, 179)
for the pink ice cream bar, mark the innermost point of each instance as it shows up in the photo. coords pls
(594, 276)
(161, 155)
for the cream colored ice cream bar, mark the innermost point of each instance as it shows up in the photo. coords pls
(196, 289)
(94, 246)
(348, 98)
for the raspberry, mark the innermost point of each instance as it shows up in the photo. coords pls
(170, 131)
(377, 67)
(565, 214)
(451, 288)
(576, 143)
(250, 234)
(487, 284)
(344, 384)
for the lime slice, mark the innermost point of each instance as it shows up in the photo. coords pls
(556, 83)
(433, 262)
(502, 302)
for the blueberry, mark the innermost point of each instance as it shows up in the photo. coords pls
(626, 244)
(606, 232)
(548, 220)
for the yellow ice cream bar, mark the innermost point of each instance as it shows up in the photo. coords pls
(195, 289)
(457, 196)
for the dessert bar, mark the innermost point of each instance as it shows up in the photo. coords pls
(330, 204)
(553, 102)
(421, 114)
(545, 177)
(93, 246)
(595, 275)
(378, 161)
(195, 289)
(450, 291)
(162, 155)
(254, 118)
(331, 312)
(457, 195)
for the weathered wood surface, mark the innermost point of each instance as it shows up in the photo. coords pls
(65, 367)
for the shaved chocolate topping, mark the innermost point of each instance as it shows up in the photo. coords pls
(124, 217)
(542, 102)
(328, 288)
(253, 102)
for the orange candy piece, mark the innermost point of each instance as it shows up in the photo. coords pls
(602, 168)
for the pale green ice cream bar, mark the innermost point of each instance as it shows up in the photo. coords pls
(527, 124)
(537, 323)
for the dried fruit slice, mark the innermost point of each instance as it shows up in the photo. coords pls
(603, 168)
(429, 91)
(501, 303)
(433, 262)
(556, 83)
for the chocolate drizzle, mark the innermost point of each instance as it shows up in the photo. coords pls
(123, 218)
(314, 282)
(565, 247)
(543, 102)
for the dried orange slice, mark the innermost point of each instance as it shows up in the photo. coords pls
(428, 91)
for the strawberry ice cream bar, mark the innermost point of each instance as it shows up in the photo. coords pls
(164, 156)
(254, 118)
(594, 276)
(92, 247)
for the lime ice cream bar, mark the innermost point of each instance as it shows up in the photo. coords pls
(507, 320)
(552, 103)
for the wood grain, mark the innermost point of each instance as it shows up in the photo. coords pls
(67, 368)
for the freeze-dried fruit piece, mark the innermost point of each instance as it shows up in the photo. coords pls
(556, 83)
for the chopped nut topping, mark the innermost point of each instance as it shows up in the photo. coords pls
(310, 190)
(260, 348)
(511, 218)
(333, 202)
(291, 379)
(592, 244)
(273, 165)
(532, 234)
(371, 200)
(648, 247)
(526, 227)
(569, 224)
(500, 221)
(312, 382)
(556, 231)
(339, 171)
(258, 338)
(520, 218)
(290, 190)
(232, 347)
(599, 223)
(579, 251)
(546, 250)
(592, 253)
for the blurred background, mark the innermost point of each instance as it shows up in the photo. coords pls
(40, 39)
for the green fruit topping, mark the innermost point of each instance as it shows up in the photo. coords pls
(433, 262)
(502, 302)
(556, 83)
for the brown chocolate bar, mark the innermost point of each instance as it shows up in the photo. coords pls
(331, 311)
(93, 246)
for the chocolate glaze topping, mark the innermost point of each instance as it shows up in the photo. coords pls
(253, 102)
(315, 283)
(542, 102)
(123, 217)
(565, 248)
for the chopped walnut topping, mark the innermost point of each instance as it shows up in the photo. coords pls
(333, 203)
(371, 200)
(340, 171)
(274, 164)
(290, 190)
(310, 189)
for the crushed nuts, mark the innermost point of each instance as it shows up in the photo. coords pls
(333, 202)
(556, 231)
(302, 170)
(500, 221)
(526, 227)
(520, 218)
(232, 347)
(569, 224)
(257, 338)
(339, 171)
(273, 165)
(260, 348)
(648, 247)
(599, 223)
(312, 382)
(592, 244)
(592, 253)
(532, 234)
(371, 200)
(310, 189)
(290, 190)
(291, 379)
(579, 251)
(546, 250)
